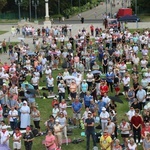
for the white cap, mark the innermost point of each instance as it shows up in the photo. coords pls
(103, 108)
(56, 120)
(24, 102)
(89, 112)
(4, 127)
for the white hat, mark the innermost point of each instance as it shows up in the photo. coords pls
(89, 112)
(103, 108)
(56, 120)
(84, 80)
(24, 102)
(4, 127)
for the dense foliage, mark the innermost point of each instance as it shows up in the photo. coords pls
(66, 7)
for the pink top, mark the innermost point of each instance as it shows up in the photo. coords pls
(48, 140)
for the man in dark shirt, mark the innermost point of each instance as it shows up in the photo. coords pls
(89, 126)
(136, 122)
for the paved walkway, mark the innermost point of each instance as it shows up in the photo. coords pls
(97, 12)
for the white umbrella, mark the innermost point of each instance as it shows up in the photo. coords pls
(69, 77)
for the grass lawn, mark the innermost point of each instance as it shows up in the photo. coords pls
(2, 32)
(144, 18)
(46, 109)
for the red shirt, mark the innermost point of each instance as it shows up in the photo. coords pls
(136, 120)
(145, 131)
(103, 89)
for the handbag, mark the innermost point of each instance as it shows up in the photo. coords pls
(15, 120)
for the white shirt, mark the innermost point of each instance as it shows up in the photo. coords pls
(50, 82)
(104, 115)
(126, 81)
(106, 100)
(48, 72)
(90, 77)
(141, 94)
(130, 114)
(55, 112)
(132, 147)
(34, 81)
(61, 88)
(13, 113)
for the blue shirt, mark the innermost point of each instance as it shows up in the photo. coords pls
(74, 74)
(39, 68)
(110, 77)
(87, 100)
(101, 104)
(84, 87)
(76, 106)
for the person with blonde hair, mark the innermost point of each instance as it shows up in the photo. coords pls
(58, 133)
(117, 145)
(146, 142)
(132, 145)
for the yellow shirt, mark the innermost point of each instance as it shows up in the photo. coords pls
(105, 142)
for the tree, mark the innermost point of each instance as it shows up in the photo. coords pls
(2, 4)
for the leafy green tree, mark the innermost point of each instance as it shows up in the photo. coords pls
(2, 4)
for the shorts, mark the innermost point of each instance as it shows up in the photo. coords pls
(124, 135)
(16, 145)
(73, 95)
(77, 116)
(50, 89)
(35, 87)
(126, 88)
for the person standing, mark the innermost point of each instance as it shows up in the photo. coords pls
(76, 108)
(63, 122)
(73, 89)
(36, 117)
(61, 90)
(110, 79)
(50, 141)
(4, 134)
(58, 133)
(105, 141)
(25, 115)
(146, 142)
(89, 125)
(125, 130)
(28, 139)
(4, 46)
(50, 84)
(136, 122)
(141, 96)
(87, 99)
(13, 117)
(104, 115)
(17, 139)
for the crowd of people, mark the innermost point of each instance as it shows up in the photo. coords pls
(90, 67)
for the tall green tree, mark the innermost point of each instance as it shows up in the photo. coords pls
(2, 4)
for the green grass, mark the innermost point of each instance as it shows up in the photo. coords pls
(144, 18)
(46, 109)
(3, 32)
